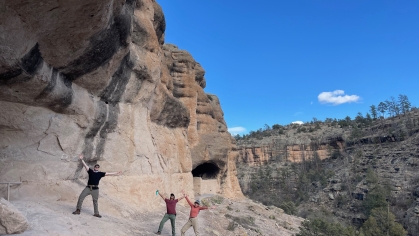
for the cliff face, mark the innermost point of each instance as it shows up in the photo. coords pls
(95, 77)
(289, 149)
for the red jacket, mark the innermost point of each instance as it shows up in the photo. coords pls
(194, 210)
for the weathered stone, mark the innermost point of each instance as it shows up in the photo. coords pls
(11, 220)
(95, 77)
(331, 197)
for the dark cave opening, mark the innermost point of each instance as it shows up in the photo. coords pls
(206, 170)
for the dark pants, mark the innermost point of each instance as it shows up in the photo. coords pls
(172, 218)
(95, 197)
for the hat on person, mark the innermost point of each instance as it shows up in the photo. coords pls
(197, 201)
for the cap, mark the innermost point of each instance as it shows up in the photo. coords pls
(197, 201)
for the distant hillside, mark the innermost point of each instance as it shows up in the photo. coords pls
(336, 169)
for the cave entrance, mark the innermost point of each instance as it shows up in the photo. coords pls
(205, 179)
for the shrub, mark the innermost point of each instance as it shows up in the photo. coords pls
(317, 227)
(205, 203)
(289, 208)
(231, 226)
(217, 199)
(245, 221)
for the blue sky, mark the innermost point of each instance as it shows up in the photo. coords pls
(275, 62)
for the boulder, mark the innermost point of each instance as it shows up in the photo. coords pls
(11, 220)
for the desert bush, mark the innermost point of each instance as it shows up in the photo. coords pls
(316, 227)
(289, 208)
(245, 221)
(232, 226)
(217, 199)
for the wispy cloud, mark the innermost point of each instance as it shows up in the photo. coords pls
(236, 130)
(298, 122)
(337, 97)
(298, 113)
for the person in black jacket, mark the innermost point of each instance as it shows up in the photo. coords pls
(92, 187)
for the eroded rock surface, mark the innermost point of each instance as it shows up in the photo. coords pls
(95, 77)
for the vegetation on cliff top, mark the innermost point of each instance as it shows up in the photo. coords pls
(391, 107)
(371, 174)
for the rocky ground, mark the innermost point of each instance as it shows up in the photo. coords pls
(242, 217)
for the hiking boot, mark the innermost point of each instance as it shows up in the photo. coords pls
(97, 215)
(158, 232)
(77, 212)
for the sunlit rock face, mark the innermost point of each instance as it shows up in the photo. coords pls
(95, 77)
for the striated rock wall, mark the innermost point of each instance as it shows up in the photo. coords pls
(259, 154)
(95, 77)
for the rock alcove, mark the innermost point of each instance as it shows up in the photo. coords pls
(206, 178)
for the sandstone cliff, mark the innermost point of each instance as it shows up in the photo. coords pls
(291, 146)
(95, 77)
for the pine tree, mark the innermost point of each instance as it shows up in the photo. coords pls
(373, 111)
(382, 222)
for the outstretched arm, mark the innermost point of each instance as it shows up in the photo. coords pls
(206, 208)
(161, 195)
(113, 173)
(84, 163)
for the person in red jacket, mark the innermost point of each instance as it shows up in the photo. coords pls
(193, 221)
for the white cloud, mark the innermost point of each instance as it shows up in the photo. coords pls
(298, 122)
(337, 97)
(236, 130)
(298, 113)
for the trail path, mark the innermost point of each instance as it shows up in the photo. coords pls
(56, 218)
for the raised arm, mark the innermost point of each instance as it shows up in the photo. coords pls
(161, 195)
(187, 199)
(113, 173)
(180, 198)
(84, 163)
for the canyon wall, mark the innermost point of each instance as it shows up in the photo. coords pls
(95, 77)
(259, 153)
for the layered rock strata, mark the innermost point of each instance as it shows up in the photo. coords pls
(288, 150)
(95, 77)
